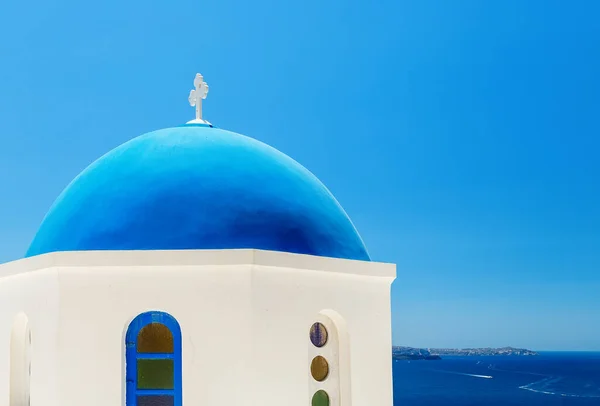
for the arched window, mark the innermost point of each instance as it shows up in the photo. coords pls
(20, 361)
(329, 362)
(153, 361)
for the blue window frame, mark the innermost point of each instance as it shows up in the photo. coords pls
(153, 360)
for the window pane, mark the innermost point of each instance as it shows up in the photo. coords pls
(162, 400)
(321, 398)
(319, 368)
(155, 338)
(155, 374)
(318, 335)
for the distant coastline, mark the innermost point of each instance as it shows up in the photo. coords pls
(410, 353)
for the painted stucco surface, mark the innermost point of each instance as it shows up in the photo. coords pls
(197, 187)
(245, 317)
(36, 295)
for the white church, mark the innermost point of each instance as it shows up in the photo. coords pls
(195, 266)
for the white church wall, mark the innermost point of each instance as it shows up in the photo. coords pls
(335, 322)
(28, 303)
(209, 303)
(244, 321)
(288, 301)
(331, 344)
(20, 361)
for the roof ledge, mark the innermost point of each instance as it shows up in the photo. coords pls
(158, 258)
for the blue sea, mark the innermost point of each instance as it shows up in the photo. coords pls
(550, 379)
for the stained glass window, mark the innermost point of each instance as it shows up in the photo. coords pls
(318, 335)
(155, 374)
(320, 398)
(155, 400)
(155, 338)
(153, 361)
(319, 368)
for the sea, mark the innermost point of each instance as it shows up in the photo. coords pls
(548, 379)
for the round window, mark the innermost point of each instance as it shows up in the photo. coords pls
(319, 368)
(318, 335)
(320, 398)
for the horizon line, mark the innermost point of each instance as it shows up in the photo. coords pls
(506, 346)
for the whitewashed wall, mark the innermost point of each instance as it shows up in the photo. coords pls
(212, 308)
(244, 319)
(35, 295)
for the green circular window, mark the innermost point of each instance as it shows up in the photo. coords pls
(320, 398)
(318, 335)
(319, 368)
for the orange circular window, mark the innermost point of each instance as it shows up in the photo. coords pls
(319, 368)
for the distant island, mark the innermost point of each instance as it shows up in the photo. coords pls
(410, 353)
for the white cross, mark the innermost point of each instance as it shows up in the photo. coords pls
(197, 95)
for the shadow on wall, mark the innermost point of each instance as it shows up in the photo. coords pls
(20, 361)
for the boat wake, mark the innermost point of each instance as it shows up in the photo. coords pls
(463, 373)
(544, 386)
(479, 376)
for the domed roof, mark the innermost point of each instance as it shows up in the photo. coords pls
(198, 187)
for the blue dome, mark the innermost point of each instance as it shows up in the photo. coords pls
(198, 187)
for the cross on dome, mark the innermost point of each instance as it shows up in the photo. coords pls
(197, 94)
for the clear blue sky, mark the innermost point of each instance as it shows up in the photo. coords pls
(462, 137)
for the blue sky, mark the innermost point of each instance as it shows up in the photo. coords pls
(461, 137)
